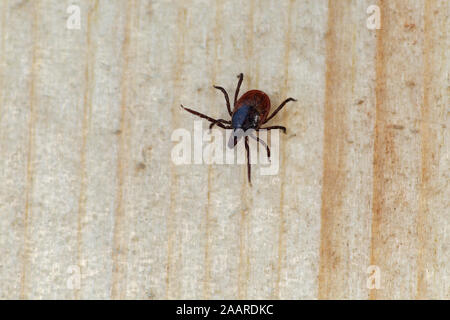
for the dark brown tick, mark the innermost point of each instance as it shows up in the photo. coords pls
(251, 111)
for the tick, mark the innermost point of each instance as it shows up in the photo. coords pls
(250, 111)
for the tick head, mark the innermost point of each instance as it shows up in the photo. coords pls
(233, 140)
(236, 136)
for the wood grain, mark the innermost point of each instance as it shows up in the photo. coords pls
(92, 207)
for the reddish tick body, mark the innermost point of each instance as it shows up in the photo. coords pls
(251, 111)
(254, 99)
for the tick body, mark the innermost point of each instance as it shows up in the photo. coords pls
(251, 111)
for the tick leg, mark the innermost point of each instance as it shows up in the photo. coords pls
(201, 115)
(222, 126)
(236, 93)
(249, 174)
(279, 108)
(226, 98)
(219, 125)
(263, 143)
(275, 127)
(218, 121)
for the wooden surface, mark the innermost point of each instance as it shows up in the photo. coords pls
(91, 205)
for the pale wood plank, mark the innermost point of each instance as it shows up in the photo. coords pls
(89, 191)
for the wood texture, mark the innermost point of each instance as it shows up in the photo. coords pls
(91, 205)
